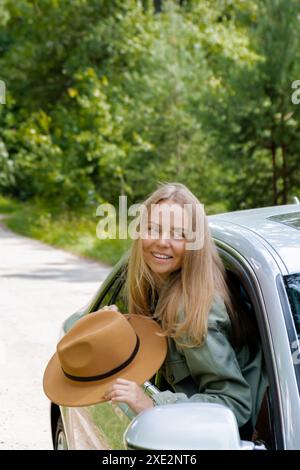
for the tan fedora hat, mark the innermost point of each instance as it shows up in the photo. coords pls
(98, 349)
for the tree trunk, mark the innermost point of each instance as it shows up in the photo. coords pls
(157, 6)
(274, 173)
(284, 174)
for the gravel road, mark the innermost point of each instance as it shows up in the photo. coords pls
(40, 286)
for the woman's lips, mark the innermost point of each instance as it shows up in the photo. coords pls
(160, 259)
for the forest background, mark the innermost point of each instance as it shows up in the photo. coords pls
(109, 97)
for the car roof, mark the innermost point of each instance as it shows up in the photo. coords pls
(279, 226)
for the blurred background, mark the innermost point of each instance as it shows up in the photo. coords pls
(108, 97)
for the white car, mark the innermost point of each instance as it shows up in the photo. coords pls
(260, 249)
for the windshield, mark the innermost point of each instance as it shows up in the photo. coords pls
(292, 285)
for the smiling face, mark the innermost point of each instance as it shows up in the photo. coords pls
(163, 242)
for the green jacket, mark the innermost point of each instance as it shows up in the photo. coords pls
(214, 372)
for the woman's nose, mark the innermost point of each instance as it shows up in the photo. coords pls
(164, 239)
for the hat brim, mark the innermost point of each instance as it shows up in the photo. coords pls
(151, 354)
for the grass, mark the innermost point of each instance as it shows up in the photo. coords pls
(7, 206)
(111, 423)
(75, 232)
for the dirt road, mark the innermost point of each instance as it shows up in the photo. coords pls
(40, 286)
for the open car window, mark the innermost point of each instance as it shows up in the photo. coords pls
(292, 286)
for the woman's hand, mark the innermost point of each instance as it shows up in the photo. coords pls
(109, 307)
(131, 393)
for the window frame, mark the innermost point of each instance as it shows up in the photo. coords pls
(289, 322)
(116, 278)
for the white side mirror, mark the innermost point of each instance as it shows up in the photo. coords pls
(186, 426)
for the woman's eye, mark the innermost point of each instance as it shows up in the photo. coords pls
(178, 234)
(153, 230)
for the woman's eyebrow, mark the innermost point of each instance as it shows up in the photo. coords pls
(171, 226)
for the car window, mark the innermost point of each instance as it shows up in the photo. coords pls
(120, 297)
(116, 293)
(246, 297)
(292, 286)
(242, 304)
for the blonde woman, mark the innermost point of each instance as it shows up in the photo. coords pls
(175, 276)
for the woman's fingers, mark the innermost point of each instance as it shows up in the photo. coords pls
(119, 386)
(126, 391)
(122, 388)
(122, 384)
(116, 394)
(114, 307)
(124, 381)
(110, 307)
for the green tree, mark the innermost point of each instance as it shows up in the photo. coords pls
(107, 98)
(255, 124)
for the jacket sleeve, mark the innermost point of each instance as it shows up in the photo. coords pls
(215, 370)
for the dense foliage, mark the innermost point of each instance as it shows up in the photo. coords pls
(109, 97)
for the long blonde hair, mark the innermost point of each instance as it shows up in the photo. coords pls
(190, 290)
